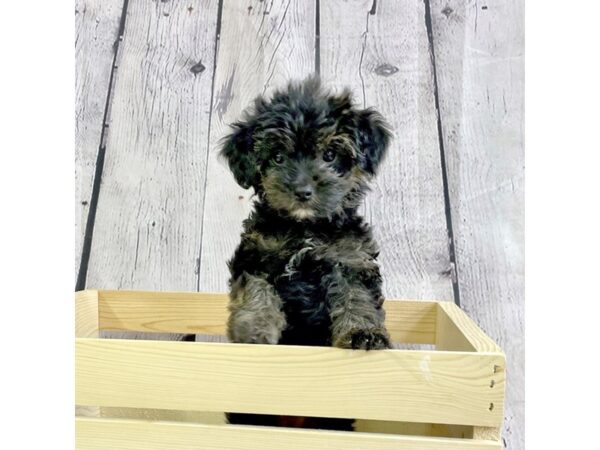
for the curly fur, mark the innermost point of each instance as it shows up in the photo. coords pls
(305, 271)
(255, 311)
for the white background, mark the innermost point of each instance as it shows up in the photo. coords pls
(37, 217)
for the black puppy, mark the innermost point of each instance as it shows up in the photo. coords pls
(305, 272)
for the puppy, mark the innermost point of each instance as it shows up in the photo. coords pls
(305, 271)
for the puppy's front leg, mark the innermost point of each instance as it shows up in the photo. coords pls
(255, 311)
(357, 317)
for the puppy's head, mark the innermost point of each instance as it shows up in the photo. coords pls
(307, 153)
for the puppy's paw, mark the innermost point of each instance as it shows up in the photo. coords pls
(372, 339)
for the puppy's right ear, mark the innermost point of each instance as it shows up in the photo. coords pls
(238, 149)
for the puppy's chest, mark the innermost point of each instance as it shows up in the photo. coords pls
(284, 251)
(315, 254)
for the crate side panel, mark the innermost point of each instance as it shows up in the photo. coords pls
(410, 386)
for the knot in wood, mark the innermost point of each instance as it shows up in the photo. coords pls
(385, 70)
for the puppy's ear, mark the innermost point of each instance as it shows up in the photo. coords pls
(238, 149)
(373, 139)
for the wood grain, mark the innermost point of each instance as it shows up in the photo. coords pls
(96, 31)
(263, 45)
(149, 219)
(401, 385)
(100, 434)
(479, 64)
(379, 50)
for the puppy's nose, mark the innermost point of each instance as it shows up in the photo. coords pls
(304, 193)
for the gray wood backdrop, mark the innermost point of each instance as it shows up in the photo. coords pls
(158, 81)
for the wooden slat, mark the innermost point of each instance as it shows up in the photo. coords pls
(96, 31)
(216, 418)
(379, 50)
(149, 217)
(102, 434)
(182, 312)
(174, 312)
(263, 45)
(410, 386)
(411, 321)
(479, 61)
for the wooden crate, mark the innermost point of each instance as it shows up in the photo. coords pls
(151, 394)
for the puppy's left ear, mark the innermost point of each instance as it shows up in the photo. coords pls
(373, 139)
(238, 149)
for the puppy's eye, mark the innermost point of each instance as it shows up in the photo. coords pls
(328, 155)
(278, 158)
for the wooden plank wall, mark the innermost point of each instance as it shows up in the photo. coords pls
(149, 218)
(447, 208)
(478, 49)
(96, 33)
